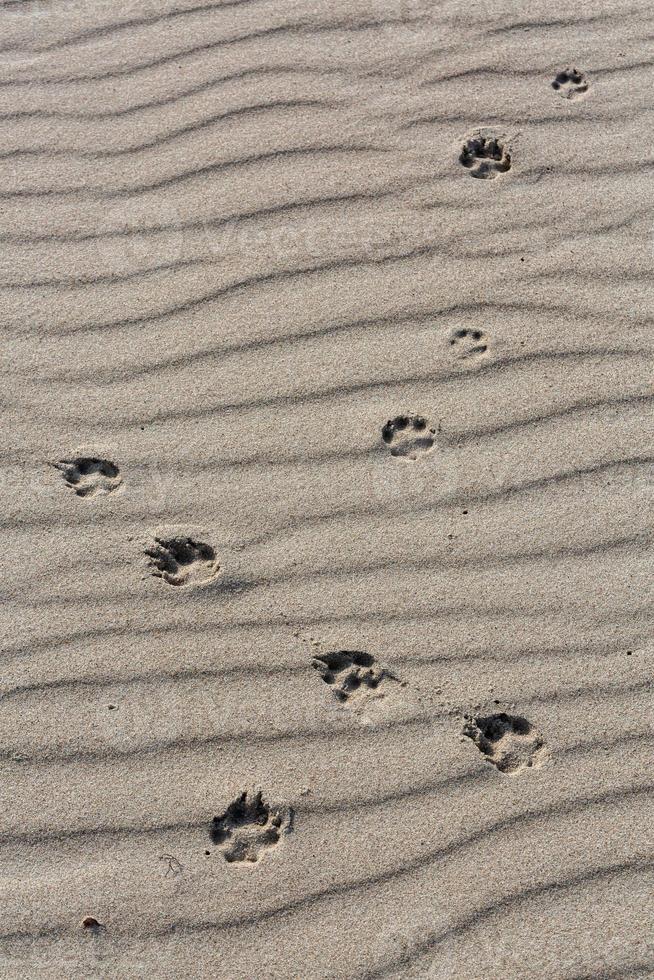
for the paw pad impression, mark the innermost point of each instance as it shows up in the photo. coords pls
(467, 342)
(90, 476)
(408, 436)
(352, 674)
(248, 827)
(509, 742)
(485, 157)
(183, 561)
(570, 84)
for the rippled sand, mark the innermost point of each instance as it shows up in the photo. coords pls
(327, 482)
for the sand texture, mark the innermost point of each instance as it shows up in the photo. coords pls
(327, 469)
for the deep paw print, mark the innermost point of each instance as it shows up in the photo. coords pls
(353, 675)
(570, 84)
(485, 157)
(408, 436)
(89, 476)
(248, 827)
(183, 561)
(468, 343)
(509, 742)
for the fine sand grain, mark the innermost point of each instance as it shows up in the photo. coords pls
(327, 470)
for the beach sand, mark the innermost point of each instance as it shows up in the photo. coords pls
(327, 472)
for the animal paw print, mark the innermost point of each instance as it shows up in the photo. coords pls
(352, 674)
(183, 561)
(468, 343)
(248, 827)
(89, 476)
(408, 436)
(509, 742)
(570, 84)
(485, 157)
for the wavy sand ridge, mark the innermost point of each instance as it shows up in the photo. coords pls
(339, 321)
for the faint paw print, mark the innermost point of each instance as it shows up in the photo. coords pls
(570, 84)
(408, 436)
(468, 343)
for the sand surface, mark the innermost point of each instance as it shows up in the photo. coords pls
(327, 484)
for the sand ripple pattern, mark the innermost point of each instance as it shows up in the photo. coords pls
(238, 242)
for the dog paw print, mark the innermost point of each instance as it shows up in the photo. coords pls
(353, 675)
(509, 742)
(89, 476)
(248, 828)
(570, 84)
(485, 157)
(468, 343)
(408, 436)
(183, 561)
